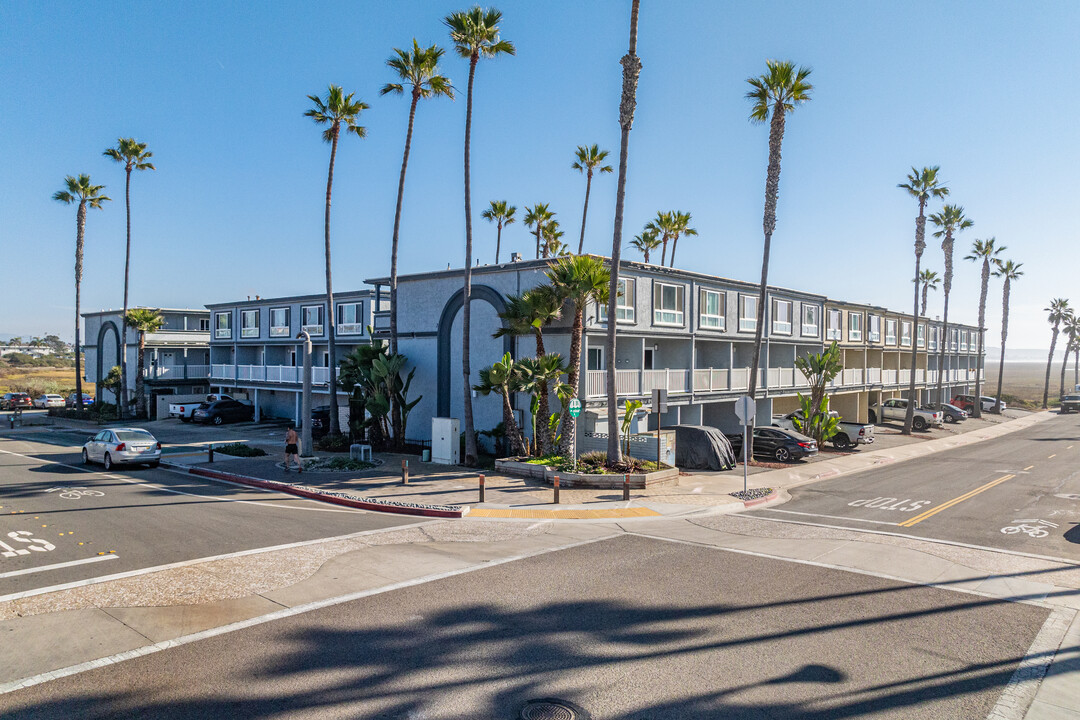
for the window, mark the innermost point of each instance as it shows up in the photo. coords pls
(596, 358)
(833, 330)
(810, 314)
(311, 319)
(781, 316)
(920, 336)
(249, 323)
(890, 331)
(873, 333)
(223, 325)
(963, 340)
(624, 303)
(279, 322)
(350, 318)
(905, 333)
(748, 313)
(667, 304)
(935, 332)
(953, 341)
(204, 324)
(713, 305)
(854, 326)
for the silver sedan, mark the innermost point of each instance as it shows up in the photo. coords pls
(122, 446)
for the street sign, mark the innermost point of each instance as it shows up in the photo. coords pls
(745, 409)
(575, 408)
(659, 401)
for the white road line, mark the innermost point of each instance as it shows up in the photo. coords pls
(57, 566)
(277, 615)
(834, 517)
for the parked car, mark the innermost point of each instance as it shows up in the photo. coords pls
(49, 400)
(774, 442)
(1070, 404)
(320, 421)
(122, 446)
(967, 403)
(184, 410)
(72, 400)
(953, 414)
(848, 436)
(15, 401)
(896, 409)
(223, 411)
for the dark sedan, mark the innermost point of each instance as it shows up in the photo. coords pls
(320, 421)
(223, 411)
(783, 445)
(952, 413)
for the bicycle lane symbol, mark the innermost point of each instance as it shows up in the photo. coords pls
(1034, 528)
(74, 493)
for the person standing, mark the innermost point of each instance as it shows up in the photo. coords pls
(292, 449)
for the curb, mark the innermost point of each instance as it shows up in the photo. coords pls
(762, 500)
(370, 504)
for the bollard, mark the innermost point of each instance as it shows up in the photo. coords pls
(556, 489)
(404, 472)
(210, 453)
(481, 488)
(626, 487)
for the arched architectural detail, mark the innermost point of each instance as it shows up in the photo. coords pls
(105, 328)
(446, 322)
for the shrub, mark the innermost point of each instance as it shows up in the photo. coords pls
(338, 463)
(334, 443)
(239, 450)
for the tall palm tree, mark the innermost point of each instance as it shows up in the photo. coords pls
(681, 226)
(950, 221)
(475, 34)
(337, 111)
(984, 252)
(536, 217)
(646, 242)
(774, 95)
(143, 320)
(589, 160)
(501, 213)
(929, 280)
(80, 190)
(664, 226)
(1058, 312)
(631, 66)
(921, 185)
(1007, 271)
(579, 280)
(1071, 326)
(135, 156)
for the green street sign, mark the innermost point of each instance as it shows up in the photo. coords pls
(575, 408)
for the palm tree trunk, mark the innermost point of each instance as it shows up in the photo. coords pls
(498, 241)
(122, 400)
(674, 244)
(920, 245)
(646, 257)
(566, 442)
(538, 228)
(1049, 363)
(513, 433)
(976, 409)
(140, 399)
(946, 288)
(663, 255)
(585, 211)
(80, 234)
(1076, 365)
(544, 406)
(925, 288)
(331, 315)
(1004, 334)
(631, 69)
(466, 314)
(1064, 366)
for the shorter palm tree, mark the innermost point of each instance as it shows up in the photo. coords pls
(536, 217)
(501, 378)
(664, 226)
(929, 280)
(589, 160)
(539, 376)
(501, 213)
(143, 320)
(1007, 271)
(553, 245)
(984, 252)
(646, 242)
(680, 227)
(1071, 328)
(1057, 313)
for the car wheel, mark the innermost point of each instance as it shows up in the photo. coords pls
(919, 424)
(184, 419)
(842, 442)
(85, 457)
(153, 465)
(950, 419)
(108, 461)
(218, 420)
(782, 454)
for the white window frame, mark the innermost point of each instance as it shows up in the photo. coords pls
(747, 323)
(890, 331)
(204, 324)
(811, 329)
(223, 333)
(781, 327)
(249, 331)
(873, 335)
(954, 342)
(624, 303)
(920, 335)
(935, 332)
(308, 328)
(854, 334)
(712, 321)
(352, 328)
(834, 333)
(661, 314)
(280, 330)
(905, 333)
(588, 357)
(963, 341)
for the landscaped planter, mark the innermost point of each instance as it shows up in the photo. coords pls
(670, 476)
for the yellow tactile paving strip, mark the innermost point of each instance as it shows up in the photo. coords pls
(563, 514)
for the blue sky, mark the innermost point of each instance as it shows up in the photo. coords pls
(218, 91)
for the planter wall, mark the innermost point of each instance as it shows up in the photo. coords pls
(546, 473)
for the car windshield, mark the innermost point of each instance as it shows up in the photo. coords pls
(134, 436)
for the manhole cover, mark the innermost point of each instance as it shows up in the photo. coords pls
(550, 709)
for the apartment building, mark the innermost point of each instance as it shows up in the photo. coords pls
(177, 357)
(254, 348)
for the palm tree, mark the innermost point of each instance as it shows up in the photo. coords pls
(950, 221)
(579, 280)
(82, 191)
(681, 226)
(553, 244)
(929, 280)
(664, 226)
(502, 378)
(774, 95)
(1058, 311)
(985, 252)
(337, 110)
(631, 66)
(537, 376)
(143, 320)
(536, 217)
(922, 186)
(1071, 325)
(646, 242)
(1008, 271)
(135, 156)
(501, 213)
(589, 160)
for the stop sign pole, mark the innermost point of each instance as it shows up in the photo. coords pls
(575, 410)
(745, 409)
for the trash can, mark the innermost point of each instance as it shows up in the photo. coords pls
(426, 455)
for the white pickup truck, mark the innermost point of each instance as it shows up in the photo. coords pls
(183, 410)
(896, 409)
(848, 436)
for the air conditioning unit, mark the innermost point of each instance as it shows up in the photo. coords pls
(515, 257)
(445, 441)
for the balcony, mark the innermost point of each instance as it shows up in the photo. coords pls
(269, 373)
(177, 372)
(381, 322)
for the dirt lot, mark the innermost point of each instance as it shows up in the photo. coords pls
(1024, 381)
(38, 380)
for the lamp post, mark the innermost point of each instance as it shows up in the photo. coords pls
(305, 412)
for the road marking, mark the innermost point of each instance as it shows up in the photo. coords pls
(1052, 456)
(57, 566)
(834, 517)
(1029, 467)
(955, 501)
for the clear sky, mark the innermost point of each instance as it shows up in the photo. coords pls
(217, 89)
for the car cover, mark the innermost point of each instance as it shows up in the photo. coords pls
(699, 447)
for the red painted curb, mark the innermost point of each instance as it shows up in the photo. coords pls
(385, 506)
(758, 501)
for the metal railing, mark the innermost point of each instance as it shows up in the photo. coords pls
(269, 373)
(177, 372)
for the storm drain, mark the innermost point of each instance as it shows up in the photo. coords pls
(551, 709)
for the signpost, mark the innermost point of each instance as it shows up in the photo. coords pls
(745, 409)
(574, 408)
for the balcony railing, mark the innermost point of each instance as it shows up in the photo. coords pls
(177, 372)
(269, 373)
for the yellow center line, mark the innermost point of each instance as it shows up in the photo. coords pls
(955, 501)
(1052, 456)
(1029, 467)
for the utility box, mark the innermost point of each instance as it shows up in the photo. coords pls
(445, 441)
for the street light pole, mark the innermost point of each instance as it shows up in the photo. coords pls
(305, 412)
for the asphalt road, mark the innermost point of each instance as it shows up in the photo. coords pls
(61, 522)
(1020, 492)
(625, 628)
